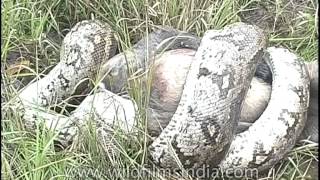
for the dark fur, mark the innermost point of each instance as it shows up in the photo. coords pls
(263, 72)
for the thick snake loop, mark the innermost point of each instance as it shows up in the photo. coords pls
(204, 123)
(84, 49)
(276, 131)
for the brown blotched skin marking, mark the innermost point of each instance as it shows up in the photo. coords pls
(219, 77)
(275, 133)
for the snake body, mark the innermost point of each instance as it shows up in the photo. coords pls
(282, 121)
(204, 123)
(83, 51)
(202, 130)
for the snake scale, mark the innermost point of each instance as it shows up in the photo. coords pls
(202, 130)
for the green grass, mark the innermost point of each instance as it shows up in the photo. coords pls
(35, 29)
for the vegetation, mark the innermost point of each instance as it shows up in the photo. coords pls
(31, 35)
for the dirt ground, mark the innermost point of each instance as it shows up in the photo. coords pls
(274, 17)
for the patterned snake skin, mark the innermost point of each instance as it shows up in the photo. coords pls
(202, 130)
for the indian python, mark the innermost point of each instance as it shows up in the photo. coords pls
(202, 130)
